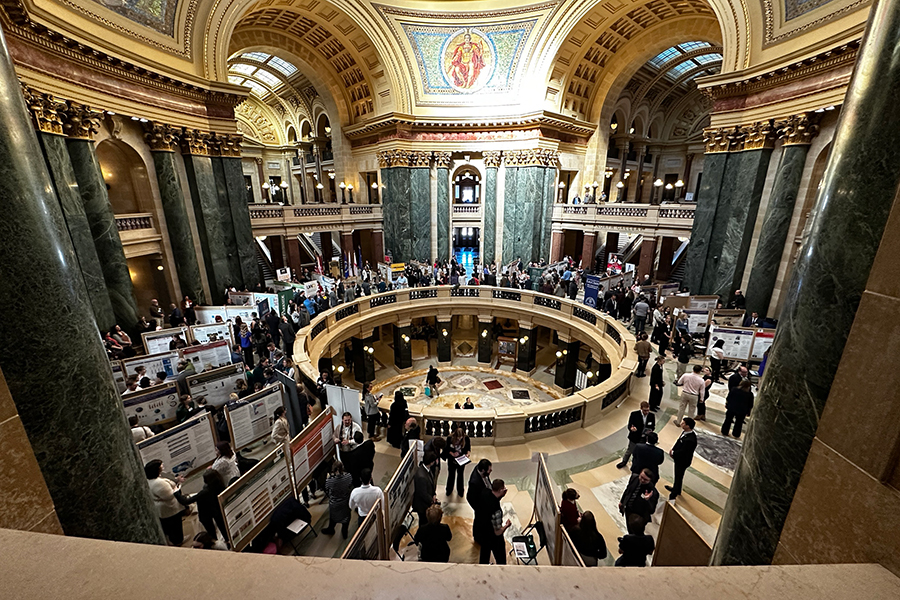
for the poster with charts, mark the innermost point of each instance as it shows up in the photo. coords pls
(703, 302)
(159, 341)
(399, 492)
(216, 385)
(213, 332)
(183, 449)
(546, 508)
(312, 447)
(155, 363)
(206, 315)
(569, 555)
(252, 419)
(241, 298)
(118, 375)
(206, 357)
(698, 320)
(247, 504)
(761, 342)
(738, 341)
(155, 405)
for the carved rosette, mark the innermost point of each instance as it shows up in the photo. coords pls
(195, 142)
(44, 109)
(758, 135)
(442, 160)
(80, 121)
(798, 130)
(419, 158)
(492, 159)
(161, 137)
(393, 158)
(723, 139)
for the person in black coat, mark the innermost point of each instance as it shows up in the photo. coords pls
(648, 456)
(208, 510)
(479, 481)
(411, 433)
(657, 383)
(397, 419)
(457, 444)
(640, 497)
(286, 328)
(738, 405)
(432, 537)
(640, 423)
(737, 377)
(636, 546)
(424, 496)
(682, 454)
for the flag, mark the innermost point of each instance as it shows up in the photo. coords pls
(319, 264)
(346, 265)
(355, 270)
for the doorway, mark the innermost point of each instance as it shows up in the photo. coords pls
(466, 241)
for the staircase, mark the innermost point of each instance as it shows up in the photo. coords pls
(679, 262)
(264, 261)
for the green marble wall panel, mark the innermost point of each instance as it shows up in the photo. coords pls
(397, 218)
(66, 186)
(240, 220)
(704, 216)
(75, 425)
(510, 231)
(227, 222)
(543, 251)
(102, 221)
(178, 225)
(718, 234)
(443, 214)
(746, 192)
(420, 213)
(490, 215)
(775, 227)
(524, 208)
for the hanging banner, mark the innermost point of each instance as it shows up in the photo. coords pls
(399, 492)
(591, 290)
(155, 405)
(614, 264)
(368, 541)
(216, 385)
(213, 332)
(546, 508)
(155, 363)
(183, 449)
(738, 341)
(208, 356)
(161, 341)
(698, 320)
(207, 315)
(761, 342)
(312, 447)
(252, 419)
(284, 301)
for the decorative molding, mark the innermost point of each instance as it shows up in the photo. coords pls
(798, 130)
(419, 158)
(442, 160)
(194, 142)
(770, 38)
(228, 145)
(492, 158)
(393, 158)
(758, 136)
(44, 109)
(161, 137)
(531, 158)
(727, 139)
(80, 121)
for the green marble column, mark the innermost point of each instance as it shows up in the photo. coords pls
(81, 122)
(854, 200)
(395, 176)
(542, 250)
(403, 347)
(444, 342)
(489, 235)
(76, 424)
(59, 165)
(525, 208)
(777, 222)
(704, 215)
(227, 221)
(443, 162)
(510, 225)
(240, 212)
(163, 140)
(420, 206)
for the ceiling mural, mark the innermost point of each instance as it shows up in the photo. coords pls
(158, 15)
(797, 8)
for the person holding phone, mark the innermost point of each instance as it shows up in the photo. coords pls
(373, 415)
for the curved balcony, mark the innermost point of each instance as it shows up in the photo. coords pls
(500, 426)
(138, 233)
(674, 220)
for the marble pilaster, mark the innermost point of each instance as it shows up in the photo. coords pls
(76, 427)
(102, 222)
(444, 342)
(442, 172)
(853, 202)
(240, 221)
(549, 199)
(510, 230)
(402, 347)
(420, 211)
(488, 236)
(704, 217)
(395, 175)
(556, 246)
(526, 207)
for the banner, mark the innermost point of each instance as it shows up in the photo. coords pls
(311, 288)
(155, 405)
(213, 332)
(155, 363)
(284, 301)
(399, 493)
(158, 341)
(614, 264)
(546, 508)
(312, 447)
(591, 289)
(206, 315)
(283, 274)
(252, 419)
(248, 503)
(241, 298)
(208, 356)
(569, 555)
(183, 449)
(216, 385)
(698, 320)
(738, 342)
(761, 342)
(368, 541)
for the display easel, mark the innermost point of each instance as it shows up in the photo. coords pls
(507, 351)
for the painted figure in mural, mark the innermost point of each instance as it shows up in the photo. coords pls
(466, 62)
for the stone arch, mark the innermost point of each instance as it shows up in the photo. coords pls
(291, 133)
(305, 129)
(126, 176)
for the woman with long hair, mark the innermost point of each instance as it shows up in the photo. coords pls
(338, 487)
(208, 510)
(458, 445)
(166, 498)
(225, 463)
(588, 541)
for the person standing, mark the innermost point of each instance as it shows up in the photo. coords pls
(685, 351)
(642, 348)
(657, 382)
(636, 546)
(433, 537)
(640, 423)
(479, 481)
(568, 509)
(345, 436)
(641, 309)
(716, 357)
(489, 526)
(458, 445)
(165, 494)
(286, 329)
(140, 433)
(737, 377)
(373, 415)
(209, 512)
(682, 454)
(225, 464)
(588, 541)
(433, 380)
(640, 497)
(692, 385)
(363, 498)
(738, 405)
(337, 488)
(281, 432)
(424, 495)
(397, 419)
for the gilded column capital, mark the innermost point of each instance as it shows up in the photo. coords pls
(44, 109)
(539, 157)
(225, 145)
(798, 130)
(161, 137)
(722, 139)
(419, 158)
(442, 160)
(194, 141)
(492, 158)
(758, 136)
(546, 157)
(80, 121)
(393, 158)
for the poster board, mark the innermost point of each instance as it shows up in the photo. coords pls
(213, 332)
(568, 555)
(368, 541)
(546, 509)
(614, 263)
(164, 361)
(153, 406)
(668, 289)
(399, 493)
(312, 447)
(761, 342)
(311, 288)
(698, 320)
(158, 341)
(591, 289)
(678, 544)
(272, 300)
(738, 341)
(291, 402)
(247, 504)
(118, 372)
(251, 420)
(283, 274)
(727, 317)
(285, 298)
(702, 302)
(216, 385)
(183, 449)
(206, 357)
(206, 315)
(244, 312)
(344, 399)
(241, 298)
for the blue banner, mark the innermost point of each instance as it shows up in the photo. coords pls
(591, 288)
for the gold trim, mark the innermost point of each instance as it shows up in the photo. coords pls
(80, 121)
(442, 160)
(44, 109)
(194, 142)
(798, 130)
(492, 159)
(758, 136)
(161, 137)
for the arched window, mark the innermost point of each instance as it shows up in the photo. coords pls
(467, 186)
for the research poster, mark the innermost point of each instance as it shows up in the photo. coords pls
(159, 341)
(698, 320)
(244, 312)
(206, 315)
(214, 332)
(311, 447)
(216, 385)
(241, 298)
(252, 419)
(727, 318)
(738, 342)
(761, 342)
(118, 375)
(183, 449)
(546, 508)
(399, 492)
(703, 302)
(272, 303)
(206, 357)
(367, 543)
(155, 405)
(155, 363)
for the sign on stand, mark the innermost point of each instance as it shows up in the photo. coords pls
(183, 449)
(154, 406)
(216, 385)
(761, 342)
(591, 290)
(738, 341)
(252, 419)
(399, 492)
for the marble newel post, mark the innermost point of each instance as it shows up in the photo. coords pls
(45, 115)
(798, 132)
(489, 235)
(163, 140)
(80, 123)
(442, 163)
(852, 206)
(76, 427)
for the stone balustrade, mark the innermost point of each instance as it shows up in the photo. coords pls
(668, 219)
(307, 218)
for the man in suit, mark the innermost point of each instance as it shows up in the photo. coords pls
(647, 457)
(640, 497)
(683, 454)
(479, 480)
(639, 422)
(424, 487)
(656, 383)
(752, 320)
(735, 380)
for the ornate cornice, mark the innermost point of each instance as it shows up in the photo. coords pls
(80, 121)
(44, 109)
(492, 158)
(531, 158)
(722, 139)
(419, 158)
(195, 142)
(798, 130)
(393, 158)
(161, 137)
(442, 160)
(758, 136)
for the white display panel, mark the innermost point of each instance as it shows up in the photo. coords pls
(184, 449)
(216, 385)
(208, 356)
(738, 342)
(252, 419)
(159, 341)
(155, 363)
(155, 405)
(213, 332)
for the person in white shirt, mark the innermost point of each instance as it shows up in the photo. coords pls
(692, 385)
(225, 463)
(131, 385)
(363, 498)
(402, 282)
(165, 494)
(344, 436)
(281, 432)
(138, 432)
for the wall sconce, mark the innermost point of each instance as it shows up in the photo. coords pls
(523, 339)
(374, 185)
(608, 174)
(160, 268)
(319, 186)
(405, 338)
(327, 129)
(330, 174)
(590, 375)
(679, 184)
(669, 186)
(340, 369)
(484, 333)
(266, 186)
(565, 352)
(444, 332)
(371, 350)
(284, 185)
(349, 187)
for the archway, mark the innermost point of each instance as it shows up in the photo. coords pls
(125, 174)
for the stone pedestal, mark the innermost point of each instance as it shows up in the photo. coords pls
(444, 342)
(76, 427)
(363, 360)
(403, 347)
(525, 360)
